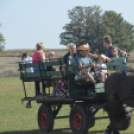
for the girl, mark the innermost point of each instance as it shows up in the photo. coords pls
(101, 70)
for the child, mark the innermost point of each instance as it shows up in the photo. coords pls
(101, 70)
(115, 52)
(52, 58)
(56, 83)
(26, 59)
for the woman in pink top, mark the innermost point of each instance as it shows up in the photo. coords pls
(39, 56)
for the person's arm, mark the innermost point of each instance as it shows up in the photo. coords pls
(42, 56)
(81, 67)
(123, 52)
(65, 64)
(105, 58)
(65, 68)
(97, 67)
(93, 56)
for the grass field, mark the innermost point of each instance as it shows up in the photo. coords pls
(16, 119)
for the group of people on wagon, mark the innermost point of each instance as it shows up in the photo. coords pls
(84, 63)
(83, 60)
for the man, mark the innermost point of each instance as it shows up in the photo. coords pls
(107, 43)
(84, 62)
(72, 52)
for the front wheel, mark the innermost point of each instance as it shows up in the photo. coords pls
(45, 118)
(79, 120)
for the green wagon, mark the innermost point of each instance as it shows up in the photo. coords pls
(83, 107)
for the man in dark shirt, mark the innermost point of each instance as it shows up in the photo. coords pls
(72, 52)
(107, 43)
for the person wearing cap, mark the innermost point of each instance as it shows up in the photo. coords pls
(72, 52)
(26, 59)
(83, 62)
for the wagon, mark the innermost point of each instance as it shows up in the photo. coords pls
(83, 106)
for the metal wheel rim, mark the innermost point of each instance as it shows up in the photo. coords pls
(77, 120)
(43, 119)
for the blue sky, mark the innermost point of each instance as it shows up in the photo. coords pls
(26, 22)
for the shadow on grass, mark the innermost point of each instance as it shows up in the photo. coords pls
(55, 131)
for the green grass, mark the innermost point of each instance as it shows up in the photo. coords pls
(16, 119)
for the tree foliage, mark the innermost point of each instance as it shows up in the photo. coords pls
(120, 30)
(90, 24)
(2, 42)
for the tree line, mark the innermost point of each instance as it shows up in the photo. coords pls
(91, 24)
(2, 41)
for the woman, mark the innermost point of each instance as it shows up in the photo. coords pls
(39, 56)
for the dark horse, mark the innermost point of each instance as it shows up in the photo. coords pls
(119, 91)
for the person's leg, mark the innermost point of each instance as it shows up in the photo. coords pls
(86, 73)
(44, 87)
(102, 77)
(37, 87)
(54, 90)
(105, 77)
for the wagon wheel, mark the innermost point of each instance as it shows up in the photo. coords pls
(79, 120)
(45, 118)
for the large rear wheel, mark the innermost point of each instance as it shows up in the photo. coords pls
(79, 120)
(45, 118)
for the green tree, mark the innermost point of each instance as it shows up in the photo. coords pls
(2, 41)
(84, 25)
(88, 23)
(120, 30)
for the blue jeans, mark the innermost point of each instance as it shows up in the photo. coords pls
(36, 70)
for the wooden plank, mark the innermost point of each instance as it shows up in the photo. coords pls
(29, 99)
(46, 64)
(23, 74)
(42, 64)
(100, 90)
(47, 98)
(45, 74)
(23, 66)
(52, 73)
